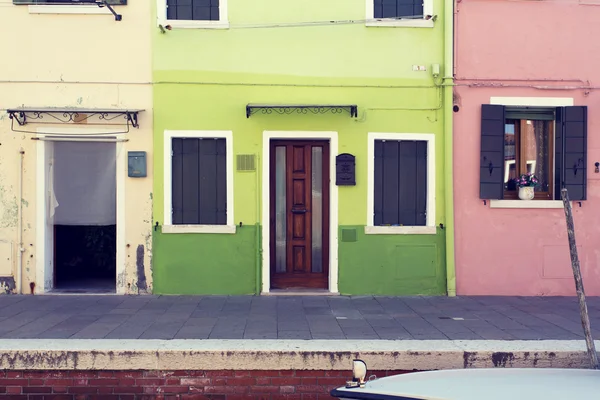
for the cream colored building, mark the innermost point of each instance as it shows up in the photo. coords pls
(75, 121)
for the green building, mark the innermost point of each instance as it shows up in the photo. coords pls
(303, 147)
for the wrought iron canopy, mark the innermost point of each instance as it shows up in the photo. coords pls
(73, 115)
(251, 109)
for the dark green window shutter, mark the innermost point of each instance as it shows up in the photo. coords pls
(571, 151)
(400, 183)
(199, 186)
(491, 164)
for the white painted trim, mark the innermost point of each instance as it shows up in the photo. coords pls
(40, 210)
(533, 101)
(333, 202)
(161, 17)
(391, 23)
(198, 229)
(526, 204)
(41, 203)
(67, 9)
(530, 102)
(430, 220)
(168, 179)
(400, 230)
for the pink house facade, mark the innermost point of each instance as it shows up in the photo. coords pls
(527, 99)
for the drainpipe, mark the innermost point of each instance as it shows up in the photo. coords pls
(448, 148)
(258, 254)
(20, 226)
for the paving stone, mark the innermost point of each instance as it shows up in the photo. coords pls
(161, 330)
(396, 333)
(193, 332)
(305, 317)
(294, 334)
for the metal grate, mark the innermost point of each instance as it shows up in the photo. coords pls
(246, 162)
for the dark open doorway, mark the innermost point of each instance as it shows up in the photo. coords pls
(83, 210)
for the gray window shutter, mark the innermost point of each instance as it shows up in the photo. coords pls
(199, 182)
(400, 183)
(571, 151)
(491, 165)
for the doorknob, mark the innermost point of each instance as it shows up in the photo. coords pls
(299, 211)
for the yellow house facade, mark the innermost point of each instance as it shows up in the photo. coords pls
(75, 147)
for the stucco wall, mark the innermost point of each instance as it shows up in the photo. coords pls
(84, 61)
(256, 61)
(522, 49)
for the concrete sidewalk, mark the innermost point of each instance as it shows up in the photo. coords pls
(294, 317)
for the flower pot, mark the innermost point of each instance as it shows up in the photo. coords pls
(526, 192)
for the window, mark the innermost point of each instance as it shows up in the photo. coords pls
(398, 8)
(411, 13)
(193, 13)
(401, 184)
(550, 142)
(198, 182)
(193, 10)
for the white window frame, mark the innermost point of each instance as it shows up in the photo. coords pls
(168, 226)
(430, 227)
(391, 23)
(222, 23)
(530, 102)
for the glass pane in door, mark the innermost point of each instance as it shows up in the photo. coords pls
(317, 209)
(280, 210)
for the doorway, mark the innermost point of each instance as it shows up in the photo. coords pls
(299, 202)
(83, 216)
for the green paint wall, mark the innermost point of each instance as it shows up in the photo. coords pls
(205, 263)
(203, 81)
(387, 265)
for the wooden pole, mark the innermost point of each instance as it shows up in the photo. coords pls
(583, 311)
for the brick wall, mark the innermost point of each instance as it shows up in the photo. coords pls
(200, 385)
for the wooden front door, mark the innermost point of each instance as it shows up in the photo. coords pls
(299, 216)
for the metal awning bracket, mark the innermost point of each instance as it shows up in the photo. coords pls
(73, 116)
(352, 109)
(19, 116)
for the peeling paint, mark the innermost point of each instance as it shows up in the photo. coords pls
(141, 273)
(7, 284)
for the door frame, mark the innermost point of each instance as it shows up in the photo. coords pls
(44, 268)
(266, 199)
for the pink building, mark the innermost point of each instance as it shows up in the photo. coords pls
(527, 99)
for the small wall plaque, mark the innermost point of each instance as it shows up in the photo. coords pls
(345, 170)
(136, 164)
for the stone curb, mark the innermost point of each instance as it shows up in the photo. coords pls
(101, 354)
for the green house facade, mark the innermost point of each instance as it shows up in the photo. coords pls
(302, 147)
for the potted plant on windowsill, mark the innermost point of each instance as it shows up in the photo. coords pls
(526, 184)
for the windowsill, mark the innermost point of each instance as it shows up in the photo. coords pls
(526, 204)
(406, 23)
(66, 9)
(198, 228)
(181, 24)
(400, 230)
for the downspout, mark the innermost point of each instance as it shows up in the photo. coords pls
(258, 253)
(448, 144)
(19, 285)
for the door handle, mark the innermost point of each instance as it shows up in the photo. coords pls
(299, 211)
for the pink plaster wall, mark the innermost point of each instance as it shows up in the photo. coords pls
(504, 48)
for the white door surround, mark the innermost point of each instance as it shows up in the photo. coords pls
(333, 202)
(44, 236)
